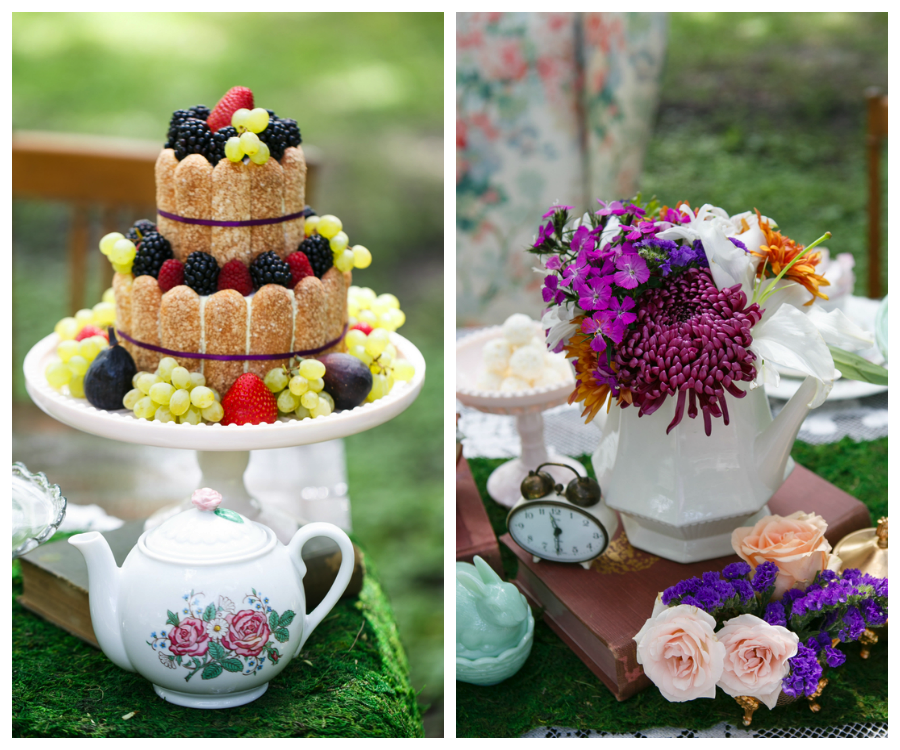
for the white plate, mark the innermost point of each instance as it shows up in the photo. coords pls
(123, 425)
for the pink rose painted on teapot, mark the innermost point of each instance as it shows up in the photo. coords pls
(189, 638)
(247, 633)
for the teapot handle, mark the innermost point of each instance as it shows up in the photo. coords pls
(303, 535)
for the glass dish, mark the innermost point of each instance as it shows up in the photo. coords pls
(38, 509)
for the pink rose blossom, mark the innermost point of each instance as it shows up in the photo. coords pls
(247, 633)
(795, 543)
(206, 499)
(756, 657)
(189, 638)
(680, 653)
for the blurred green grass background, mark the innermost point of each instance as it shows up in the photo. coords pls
(367, 91)
(767, 110)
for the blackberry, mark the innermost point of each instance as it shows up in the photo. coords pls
(201, 273)
(319, 252)
(268, 268)
(279, 134)
(309, 211)
(153, 250)
(142, 226)
(220, 137)
(200, 112)
(195, 137)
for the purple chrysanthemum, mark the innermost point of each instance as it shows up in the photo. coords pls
(691, 339)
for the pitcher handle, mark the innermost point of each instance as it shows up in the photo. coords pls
(303, 535)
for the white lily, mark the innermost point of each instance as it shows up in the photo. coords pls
(558, 319)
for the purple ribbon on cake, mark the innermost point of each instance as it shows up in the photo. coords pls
(233, 357)
(217, 223)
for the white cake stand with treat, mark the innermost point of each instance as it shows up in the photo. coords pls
(526, 405)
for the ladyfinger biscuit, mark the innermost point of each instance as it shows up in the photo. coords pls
(231, 202)
(146, 298)
(225, 331)
(122, 285)
(311, 318)
(294, 165)
(271, 327)
(336, 284)
(193, 197)
(179, 324)
(266, 202)
(166, 164)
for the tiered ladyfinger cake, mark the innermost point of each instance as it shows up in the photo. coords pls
(228, 268)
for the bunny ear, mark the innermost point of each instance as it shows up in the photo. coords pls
(470, 582)
(486, 572)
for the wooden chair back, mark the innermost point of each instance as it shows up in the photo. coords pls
(876, 132)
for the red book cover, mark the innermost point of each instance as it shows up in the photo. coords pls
(474, 534)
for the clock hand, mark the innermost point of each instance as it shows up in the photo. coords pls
(556, 534)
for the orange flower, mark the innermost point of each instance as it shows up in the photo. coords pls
(779, 251)
(588, 391)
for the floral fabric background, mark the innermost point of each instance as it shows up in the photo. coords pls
(551, 107)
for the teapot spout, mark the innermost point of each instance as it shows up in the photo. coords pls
(104, 577)
(773, 446)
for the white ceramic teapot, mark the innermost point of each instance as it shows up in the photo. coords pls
(209, 606)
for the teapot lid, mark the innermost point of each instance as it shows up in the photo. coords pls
(207, 534)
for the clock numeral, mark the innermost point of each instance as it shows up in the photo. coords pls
(596, 535)
(529, 515)
(556, 511)
(529, 538)
(574, 550)
(571, 515)
(585, 522)
(544, 545)
(520, 525)
(590, 546)
(541, 511)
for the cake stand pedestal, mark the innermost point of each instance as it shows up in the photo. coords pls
(223, 452)
(525, 406)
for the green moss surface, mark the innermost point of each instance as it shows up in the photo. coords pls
(556, 688)
(351, 680)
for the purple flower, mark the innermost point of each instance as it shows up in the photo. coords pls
(775, 614)
(632, 271)
(827, 575)
(833, 657)
(873, 614)
(805, 673)
(743, 589)
(764, 577)
(554, 209)
(598, 344)
(617, 318)
(691, 601)
(593, 295)
(544, 234)
(736, 570)
(554, 263)
(590, 325)
(852, 574)
(615, 207)
(737, 243)
(640, 229)
(583, 240)
(551, 284)
(853, 625)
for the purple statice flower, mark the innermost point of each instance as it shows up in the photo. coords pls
(633, 271)
(827, 576)
(614, 207)
(737, 243)
(775, 614)
(743, 589)
(833, 657)
(593, 294)
(818, 642)
(710, 578)
(691, 601)
(736, 570)
(583, 240)
(554, 263)
(852, 574)
(764, 577)
(805, 673)
(709, 597)
(617, 317)
(544, 234)
(554, 209)
(853, 625)
(683, 588)
(872, 613)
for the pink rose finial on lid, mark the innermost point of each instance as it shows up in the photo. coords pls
(206, 499)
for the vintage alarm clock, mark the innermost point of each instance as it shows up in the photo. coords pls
(571, 525)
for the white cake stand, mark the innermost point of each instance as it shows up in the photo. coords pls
(525, 406)
(223, 452)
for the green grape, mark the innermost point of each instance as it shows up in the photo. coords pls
(76, 386)
(276, 380)
(134, 380)
(287, 402)
(250, 143)
(191, 416)
(302, 412)
(385, 359)
(145, 408)
(216, 395)
(374, 368)
(366, 296)
(58, 374)
(131, 398)
(105, 314)
(213, 413)
(377, 342)
(392, 350)
(123, 268)
(66, 329)
(344, 261)
(166, 366)
(354, 337)
(181, 378)
(233, 149)
(78, 365)
(388, 382)
(362, 258)
(298, 385)
(325, 395)
(84, 317)
(89, 348)
(180, 402)
(361, 354)
(201, 397)
(316, 384)
(257, 120)
(389, 299)
(386, 321)
(399, 317)
(197, 378)
(239, 119)
(310, 225)
(123, 251)
(161, 393)
(261, 155)
(329, 226)
(380, 307)
(312, 368)
(146, 381)
(339, 243)
(108, 240)
(322, 409)
(68, 349)
(403, 370)
(109, 296)
(163, 414)
(352, 310)
(367, 316)
(310, 400)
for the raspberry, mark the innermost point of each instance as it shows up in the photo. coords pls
(237, 98)
(170, 275)
(201, 272)
(249, 401)
(235, 275)
(88, 331)
(268, 268)
(300, 267)
(364, 327)
(319, 252)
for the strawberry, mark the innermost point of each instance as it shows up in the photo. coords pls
(300, 267)
(364, 327)
(235, 275)
(236, 98)
(88, 331)
(171, 274)
(249, 401)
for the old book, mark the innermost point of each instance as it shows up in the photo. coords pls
(474, 533)
(597, 612)
(55, 579)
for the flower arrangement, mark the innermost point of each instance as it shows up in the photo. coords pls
(736, 631)
(652, 302)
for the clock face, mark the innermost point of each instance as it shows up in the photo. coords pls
(558, 531)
